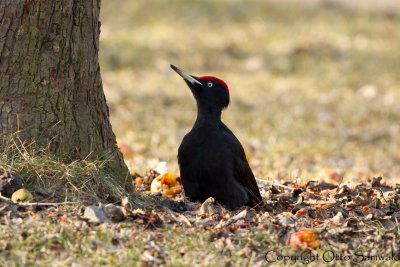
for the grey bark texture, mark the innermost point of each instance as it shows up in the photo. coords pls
(50, 85)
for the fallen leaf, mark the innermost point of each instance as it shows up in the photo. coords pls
(333, 176)
(126, 150)
(302, 212)
(138, 182)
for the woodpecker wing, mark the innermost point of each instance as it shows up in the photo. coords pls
(242, 172)
(244, 175)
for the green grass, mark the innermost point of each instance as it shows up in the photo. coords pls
(121, 245)
(43, 242)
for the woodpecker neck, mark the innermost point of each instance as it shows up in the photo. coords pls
(208, 114)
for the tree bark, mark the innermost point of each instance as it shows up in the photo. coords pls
(50, 85)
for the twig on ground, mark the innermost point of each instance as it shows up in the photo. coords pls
(6, 199)
(281, 185)
(273, 183)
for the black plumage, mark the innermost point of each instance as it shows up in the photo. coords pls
(211, 159)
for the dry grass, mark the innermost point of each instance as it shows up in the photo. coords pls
(85, 181)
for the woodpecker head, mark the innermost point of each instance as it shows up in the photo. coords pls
(208, 90)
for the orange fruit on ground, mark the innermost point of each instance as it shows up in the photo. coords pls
(166, 183)
(168, 178)
(304, 239)
(172, 191)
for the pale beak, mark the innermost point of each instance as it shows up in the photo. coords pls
(186, 76)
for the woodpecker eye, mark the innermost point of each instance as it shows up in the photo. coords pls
(210, 84)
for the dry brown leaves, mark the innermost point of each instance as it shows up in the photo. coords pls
(304, 216)
(313, 215)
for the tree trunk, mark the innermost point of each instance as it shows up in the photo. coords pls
(50, 85)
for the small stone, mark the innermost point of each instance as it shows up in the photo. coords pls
(240, 215)
(96, 215)
(209, 207)
(114, 212)
(286, 220)
(338, 218)
(205, 222)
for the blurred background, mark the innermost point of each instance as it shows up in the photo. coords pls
(315, 85)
